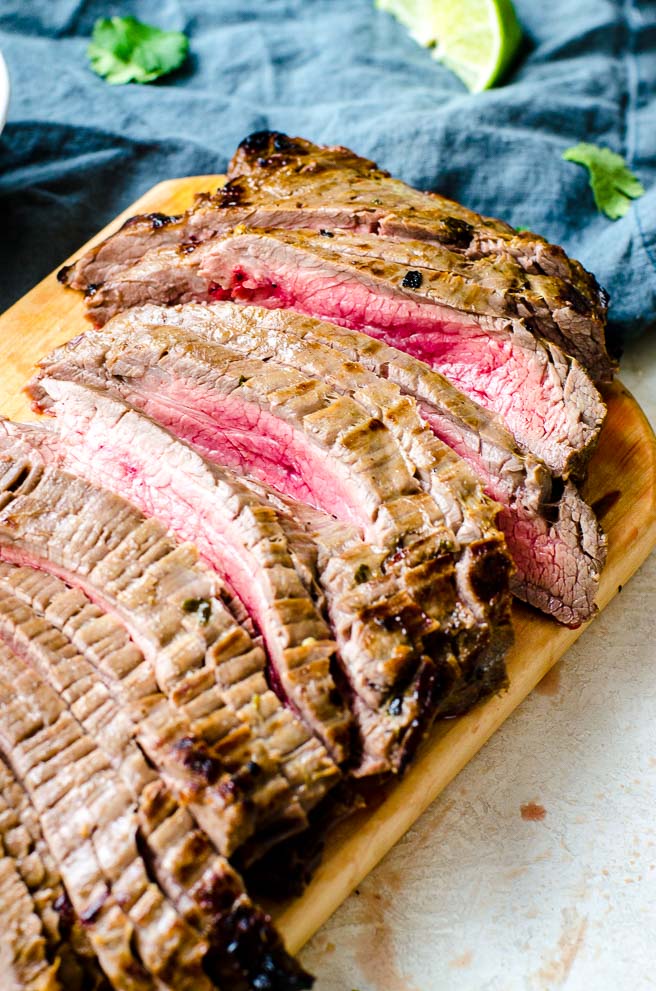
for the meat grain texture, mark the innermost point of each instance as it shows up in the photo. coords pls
(326, 424)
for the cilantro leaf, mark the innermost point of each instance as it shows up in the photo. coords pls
(613, 184)
(124, 50)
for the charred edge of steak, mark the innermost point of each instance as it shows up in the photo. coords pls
(270, 149)
(273, 149)
(486, 671)
(285, 870)
(489, 571)
(264, 142)
(246, 952)
(434, 682)
(232, 194)
(155, 220)
(460, 232)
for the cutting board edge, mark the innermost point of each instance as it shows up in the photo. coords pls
(145, 204)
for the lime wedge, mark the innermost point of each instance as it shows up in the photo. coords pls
(476, 39)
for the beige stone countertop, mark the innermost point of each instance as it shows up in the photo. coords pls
(536, 868)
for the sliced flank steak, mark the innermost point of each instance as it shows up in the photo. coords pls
(112, 663)
(101, 570)
(277, 169)
(390, 381)
(301, 436)
(24, 959)
(245, 949)
(380, 659)
(204, 661)
(286, 183)
(94, 724)
(544, 397)
(555, 541)
(202, 885)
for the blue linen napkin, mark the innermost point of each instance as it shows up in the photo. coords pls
(76, 151)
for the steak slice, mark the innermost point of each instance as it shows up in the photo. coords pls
(302, 759)
(269, 169)
(88, 822)
(165, 364)
(53, 656)
(236, 822)
(556, 543)
(544, 397)
(283, 427)
(281, 182)
(383, 377)
(67, 942)
(204, 662)
(26, 958)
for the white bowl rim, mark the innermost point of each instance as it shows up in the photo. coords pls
(4, 91)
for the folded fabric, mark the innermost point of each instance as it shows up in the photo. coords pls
(76, 151)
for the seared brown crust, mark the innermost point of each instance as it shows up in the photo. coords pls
(280, 182)
(269, 166)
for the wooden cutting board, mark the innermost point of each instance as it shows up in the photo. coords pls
(621, 486)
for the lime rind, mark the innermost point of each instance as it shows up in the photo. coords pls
(476, 39)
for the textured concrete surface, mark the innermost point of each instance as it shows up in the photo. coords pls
(536, 869)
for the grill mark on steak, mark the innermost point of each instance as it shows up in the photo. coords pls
(23, 961)
(67, 943)
(182, 862)
(133, 568)
(38, 743)
(329, 189)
